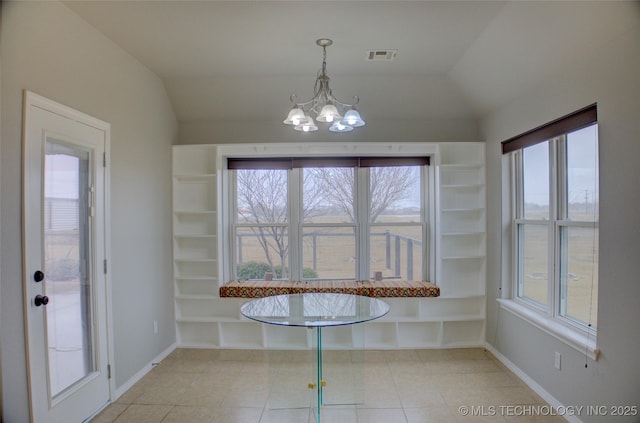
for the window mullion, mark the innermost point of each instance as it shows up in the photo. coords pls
(233, 222)
(555, 209)
(295, 224)
(424, 221)
(362, 222)
(560, 254)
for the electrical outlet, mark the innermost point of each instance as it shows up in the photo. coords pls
(556, 362)
(155, 327)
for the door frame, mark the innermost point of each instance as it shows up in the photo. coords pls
(31, 99)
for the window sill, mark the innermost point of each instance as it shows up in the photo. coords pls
(578, 341)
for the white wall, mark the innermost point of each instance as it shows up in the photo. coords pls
(409, 130)
(610, 77)
(48, 49)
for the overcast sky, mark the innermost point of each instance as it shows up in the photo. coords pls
(582, 169)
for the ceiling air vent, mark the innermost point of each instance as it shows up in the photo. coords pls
(381, 55)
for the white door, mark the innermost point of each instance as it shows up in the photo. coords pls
(65, 261)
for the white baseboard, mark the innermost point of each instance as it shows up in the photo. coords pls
(531, 383)
(140, 374)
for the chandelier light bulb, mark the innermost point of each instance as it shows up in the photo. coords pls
(329, 113)
(338, 126)
(306, 125)
(352, 118)
(296, 115)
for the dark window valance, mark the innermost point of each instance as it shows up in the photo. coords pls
(569, 123)
(302, 162)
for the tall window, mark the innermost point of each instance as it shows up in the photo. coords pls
(556, 218)
(341, 218)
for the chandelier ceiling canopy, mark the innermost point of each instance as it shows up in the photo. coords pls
(343, 117)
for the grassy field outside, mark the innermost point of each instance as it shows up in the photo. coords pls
(335, 248)
(579, 274)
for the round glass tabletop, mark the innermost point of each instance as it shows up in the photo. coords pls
(314, 309)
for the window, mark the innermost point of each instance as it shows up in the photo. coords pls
(335, 218)
(555, 219)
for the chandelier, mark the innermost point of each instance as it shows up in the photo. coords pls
(323, 104)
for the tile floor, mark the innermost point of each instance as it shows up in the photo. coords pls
(400, 386)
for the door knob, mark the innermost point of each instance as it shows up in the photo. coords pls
(38, 276)
(41, 300)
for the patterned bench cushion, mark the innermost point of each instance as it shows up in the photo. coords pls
(384, 288)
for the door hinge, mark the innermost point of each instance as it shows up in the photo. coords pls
(104, 159)
(108, 371)
(105, 266)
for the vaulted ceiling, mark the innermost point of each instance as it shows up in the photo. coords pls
(243, 59)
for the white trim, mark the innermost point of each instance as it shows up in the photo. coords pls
(142, 372)
(322, 149)
(531, 383)
(295, 224)
(580, 342)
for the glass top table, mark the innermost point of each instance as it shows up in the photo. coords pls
(315, 311)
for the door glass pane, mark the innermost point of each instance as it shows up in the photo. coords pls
(67, 256)
(533, 267)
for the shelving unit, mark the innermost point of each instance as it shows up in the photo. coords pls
(195, 242)
(461, 244)
(455, 319)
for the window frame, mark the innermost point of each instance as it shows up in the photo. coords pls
(362, 225)
(550, 317)
(367, 151)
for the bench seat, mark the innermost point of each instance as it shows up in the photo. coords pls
(384, 288)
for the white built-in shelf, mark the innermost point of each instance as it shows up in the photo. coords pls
(455, 319)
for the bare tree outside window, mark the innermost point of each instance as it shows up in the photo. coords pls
(388, 186)
(329, 197)
(262, 203)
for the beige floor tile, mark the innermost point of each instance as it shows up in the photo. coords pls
(131, 395)
(236, 415)
(176, 380)
(246, 398)
(181, 414)
(478, 415)
(470, 366)
(381, 415)
(488, 396)
(337, 415)
(381, 398)
(401, 356)
(492, 379)
(160, 396)
(300, 415)
(420, 398)
(140, 413)
(469, 354)
(434, 355)
(429, 415)
(110, 414)
(247, 386)
(201, 396)
(534, 419)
